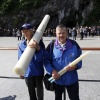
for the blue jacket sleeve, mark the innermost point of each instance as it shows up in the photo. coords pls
(79, 52)
(19, 51)
(39, 54)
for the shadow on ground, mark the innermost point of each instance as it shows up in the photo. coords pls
(9, 97)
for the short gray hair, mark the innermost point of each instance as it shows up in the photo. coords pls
(62, 26)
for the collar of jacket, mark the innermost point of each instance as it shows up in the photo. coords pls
(67, 45)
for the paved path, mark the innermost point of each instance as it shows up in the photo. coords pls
(13, 88)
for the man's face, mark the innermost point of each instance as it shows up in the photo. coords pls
(61, 34)
(26, 32)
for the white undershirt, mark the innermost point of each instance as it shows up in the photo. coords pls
(62, 44)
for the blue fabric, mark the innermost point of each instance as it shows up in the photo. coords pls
(60, 58)
(35, 67)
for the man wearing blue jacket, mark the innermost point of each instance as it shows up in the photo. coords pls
(35, 71)
(57, 57)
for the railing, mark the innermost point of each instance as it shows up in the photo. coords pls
(83, 48)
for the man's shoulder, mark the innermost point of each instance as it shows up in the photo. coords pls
(74, 43)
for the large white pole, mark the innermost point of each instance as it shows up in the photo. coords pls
(22, 64)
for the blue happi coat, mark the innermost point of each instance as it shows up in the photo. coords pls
(57, 58)
(35, 68)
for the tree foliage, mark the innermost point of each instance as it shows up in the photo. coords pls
(9, 6)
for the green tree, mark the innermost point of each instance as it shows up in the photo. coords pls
(10, 6)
